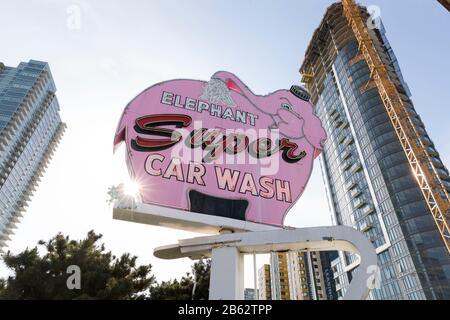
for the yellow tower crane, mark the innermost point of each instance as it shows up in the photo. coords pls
(430, 183)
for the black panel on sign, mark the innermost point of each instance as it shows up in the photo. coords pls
(215, 206)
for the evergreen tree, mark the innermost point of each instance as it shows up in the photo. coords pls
(184, 289)
(103, 275)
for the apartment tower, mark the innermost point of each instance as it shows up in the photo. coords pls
(30, 129)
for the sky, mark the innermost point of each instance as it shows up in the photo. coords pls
(103, 53)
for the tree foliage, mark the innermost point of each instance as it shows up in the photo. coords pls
(103, 275)
(193, 286)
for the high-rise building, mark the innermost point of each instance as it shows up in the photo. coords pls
(382, 172)
(301, 275)
(279, 275)
(329, 283)
(249, 294)
(30, 128)
(264, 283)
(298, 275)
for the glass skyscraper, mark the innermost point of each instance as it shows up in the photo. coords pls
(30, 128)
(369, 183)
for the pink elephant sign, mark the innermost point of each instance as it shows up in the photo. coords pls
(216, 148)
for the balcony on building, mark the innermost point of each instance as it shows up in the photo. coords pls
(342, 137)
(366, 225)
(332, 112)
(336, 120)
(368, 209)
(446, 184)
(356, 167)
(355, 192)
(348, 140)
(426, 141)
(432, 151)
(350, 184)
(443, 173)
(436, 162)
(344, 124)
(359, 202)
(345, 165)
(346, 154)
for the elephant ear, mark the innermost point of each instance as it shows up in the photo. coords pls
(233, 86)
(232, 82)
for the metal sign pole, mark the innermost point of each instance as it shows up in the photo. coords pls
(227, 274)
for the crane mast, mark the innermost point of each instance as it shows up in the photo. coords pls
(429, 181)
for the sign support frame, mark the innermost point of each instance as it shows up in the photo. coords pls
(227, 252)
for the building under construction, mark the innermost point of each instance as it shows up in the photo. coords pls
(382, 171)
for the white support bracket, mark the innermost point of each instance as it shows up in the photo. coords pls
(227, 252)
